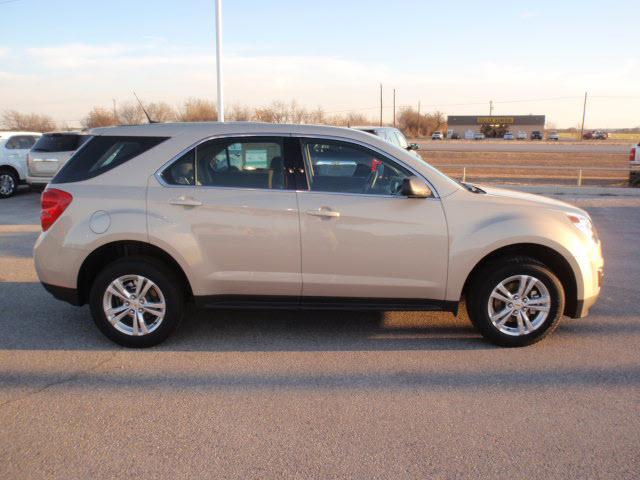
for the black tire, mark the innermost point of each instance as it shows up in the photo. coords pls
(165, 279)
(6, 173)
(485, 280)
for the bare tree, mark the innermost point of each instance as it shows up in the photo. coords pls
(198, 110)
(130, 114)
(161, 112)
(419, 125)
(316, 116)
(239, 113)
(99, 117)
(32, 122)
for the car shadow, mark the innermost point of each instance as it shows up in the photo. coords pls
(31, 319)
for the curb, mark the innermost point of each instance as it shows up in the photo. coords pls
(566, 190)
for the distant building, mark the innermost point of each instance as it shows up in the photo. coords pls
(494, 125)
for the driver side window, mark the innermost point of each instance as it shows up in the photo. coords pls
(343, 167)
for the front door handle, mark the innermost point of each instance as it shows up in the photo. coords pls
(323, 212)
(185, 201)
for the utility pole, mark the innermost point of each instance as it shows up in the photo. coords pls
(380, 104)
(394, 107)
(418, 118)
(490, 107)
(115, 112)
(219, 59)
(584, 113)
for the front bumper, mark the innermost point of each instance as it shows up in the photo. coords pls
(583, 306)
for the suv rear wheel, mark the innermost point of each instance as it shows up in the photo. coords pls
(136, 302)
(8, 183)
(515, 302)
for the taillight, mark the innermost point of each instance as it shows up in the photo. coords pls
(54, 202)
(632, 155)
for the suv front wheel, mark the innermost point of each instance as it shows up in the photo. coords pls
(136, 302)
(515, 302)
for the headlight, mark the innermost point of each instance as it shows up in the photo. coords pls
(584, 224)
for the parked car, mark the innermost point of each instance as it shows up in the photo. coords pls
(393, 136)
(437, 136)
(587, 135)
(508, 136)
(14, 147)
(536, 135)
(478, 136)
(50, 153)
(553, 136)
(522, 135)
(454, 136)
(634, 164)
(146, 218)
(600, 135)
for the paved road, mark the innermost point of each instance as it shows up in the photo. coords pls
(528, 146)
(299, 395)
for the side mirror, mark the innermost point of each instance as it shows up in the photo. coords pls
(414, 187)
(413, 146)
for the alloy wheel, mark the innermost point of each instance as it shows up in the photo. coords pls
(134, 305)
(7, 184)
(519, 305)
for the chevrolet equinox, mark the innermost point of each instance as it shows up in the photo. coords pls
(143, 219)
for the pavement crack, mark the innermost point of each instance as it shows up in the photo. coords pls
(70, 378)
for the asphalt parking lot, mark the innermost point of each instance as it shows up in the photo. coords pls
(295, 395)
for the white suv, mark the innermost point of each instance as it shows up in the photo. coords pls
(145, 218)
(14, 147)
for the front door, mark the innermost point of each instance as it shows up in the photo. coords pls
(361, 239)
(228, 210)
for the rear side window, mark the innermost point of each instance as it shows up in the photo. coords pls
(101, 154)
(20, 142)
(59, 142)
(255, 162)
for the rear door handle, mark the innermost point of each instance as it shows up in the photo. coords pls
(323, 212)
(185, 201)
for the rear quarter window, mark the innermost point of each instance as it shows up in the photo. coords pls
(103, 153)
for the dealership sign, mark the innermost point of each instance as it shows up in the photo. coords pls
(495, 120)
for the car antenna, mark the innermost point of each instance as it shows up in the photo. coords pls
(143, 109)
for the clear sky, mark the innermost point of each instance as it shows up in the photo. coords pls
(62, 56)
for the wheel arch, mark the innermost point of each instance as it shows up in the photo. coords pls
(551, 258)
(11, 168)
(112, 251)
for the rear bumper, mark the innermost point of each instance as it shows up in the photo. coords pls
(69, 295)
(38, 180)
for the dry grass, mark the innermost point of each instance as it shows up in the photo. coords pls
(515, 167)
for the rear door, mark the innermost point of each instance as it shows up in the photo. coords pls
(228, 209)
(17, 149)
(360, 238)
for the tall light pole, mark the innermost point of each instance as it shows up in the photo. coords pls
(380, 104)
(584, 114)
(219, 59)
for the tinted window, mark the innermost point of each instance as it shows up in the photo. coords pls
(20, 142)
(250, 163)
(101, 154)
(181, 172)
(348, 168)
(59, 142)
